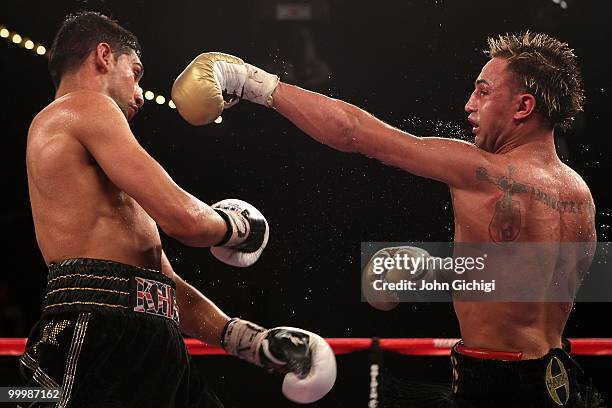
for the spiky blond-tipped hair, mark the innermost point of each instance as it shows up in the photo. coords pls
(548, 69)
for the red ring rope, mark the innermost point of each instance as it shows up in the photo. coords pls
(420, 347)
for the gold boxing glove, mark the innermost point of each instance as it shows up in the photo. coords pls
(198, 90)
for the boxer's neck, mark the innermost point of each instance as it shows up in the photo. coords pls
(527, 134)
(85, 78)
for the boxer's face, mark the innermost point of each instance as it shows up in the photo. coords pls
(123, 84)
(491, 106)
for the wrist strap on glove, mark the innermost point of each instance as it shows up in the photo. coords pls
(237, 227)
(259, 86)
(242, 339)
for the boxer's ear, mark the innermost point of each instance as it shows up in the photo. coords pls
(103, 57)
(525, 106)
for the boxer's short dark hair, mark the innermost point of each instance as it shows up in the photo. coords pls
(548, 69)
(80, 34)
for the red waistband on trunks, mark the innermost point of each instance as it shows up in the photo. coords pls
(488, 354)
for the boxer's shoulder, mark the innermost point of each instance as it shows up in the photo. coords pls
(51, 133)
(65, 112)
(74, 109)
(578, 184)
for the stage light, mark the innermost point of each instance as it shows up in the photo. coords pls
(17, 39)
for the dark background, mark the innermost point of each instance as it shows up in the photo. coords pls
(410, 63)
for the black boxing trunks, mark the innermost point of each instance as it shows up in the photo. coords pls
(109, 337)
(486, 378)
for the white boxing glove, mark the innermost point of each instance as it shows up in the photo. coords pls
(306, 360)
(247, 233)
(198, 91)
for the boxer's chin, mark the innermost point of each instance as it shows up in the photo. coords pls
(481, 142)
(130, 114)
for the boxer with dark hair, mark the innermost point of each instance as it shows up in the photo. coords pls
(110, 331)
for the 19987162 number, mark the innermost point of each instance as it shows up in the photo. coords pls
(29, 394)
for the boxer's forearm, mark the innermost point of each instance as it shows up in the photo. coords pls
(199, 316)
(327, 120)
(333, 122)
(195, 224)
(348, 128)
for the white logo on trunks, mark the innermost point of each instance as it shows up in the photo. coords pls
(557, 381)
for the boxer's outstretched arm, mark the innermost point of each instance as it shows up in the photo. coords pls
(198, 95)
(348, 128)
(199, 316)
